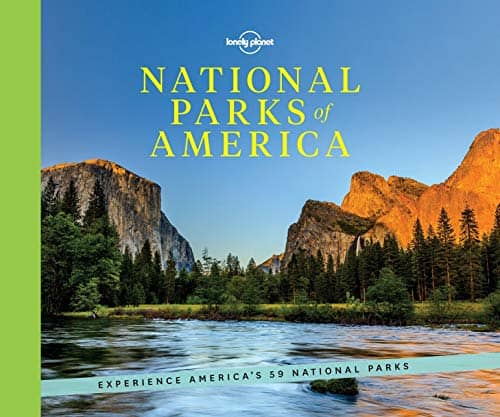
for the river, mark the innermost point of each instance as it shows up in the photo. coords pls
(82, 348)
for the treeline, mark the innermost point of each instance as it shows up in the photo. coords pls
(467, 267)
(436, 263)
(82, 266)
(463, 268)
(81, 262)
(80, 257)
(461, 264)
(210, 281)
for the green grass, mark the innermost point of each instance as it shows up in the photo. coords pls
(181, 308)
(459, 312)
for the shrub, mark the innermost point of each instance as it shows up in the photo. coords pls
(492, 309)
(389, 300)
(440, 309)
(194, 299)
(87, 296)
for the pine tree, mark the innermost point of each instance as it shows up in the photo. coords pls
(349, 277)
(207, 261)
(486, 259)
(59, 249)
(330, 274)
(137, 295)
(339, 287)
(314, 270)
(156, 279)
(70, 203)
(496, 223)
(446, 237)
(404, 270)
(143, 270)
(471, 261)
(432, 249)
(170, 274)
(251, 265)
(213, 286)
(293, 277)
(271, 287)
(390, 251)
(418, 248)
(215, 269)
(377, 259)
(364, 271)
(49, 204)
(233, 267)
(99, 257)
(97, 209)
(183, 286)
(372, 264)
(197, 273)
(493, 254)
(126, 278)
(319, 278)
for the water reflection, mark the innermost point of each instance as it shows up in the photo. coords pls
(77, 348)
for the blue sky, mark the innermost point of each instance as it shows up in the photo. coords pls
(429, 75)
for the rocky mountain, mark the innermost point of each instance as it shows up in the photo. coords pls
(134, 206)
(475, 182)
(371, 196)
(272, 264)
(387, 202)
(378, 207)
(324, 226)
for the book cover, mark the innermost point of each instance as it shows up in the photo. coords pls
(269, 208)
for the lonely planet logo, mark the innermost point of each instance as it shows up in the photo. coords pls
(250, 42)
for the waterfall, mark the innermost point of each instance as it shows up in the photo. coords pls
(358, 246)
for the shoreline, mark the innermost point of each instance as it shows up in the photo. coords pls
(461, 315)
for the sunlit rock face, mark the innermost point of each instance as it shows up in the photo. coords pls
(475, 182)
(372, 196)
(391, 206)
(134, 206)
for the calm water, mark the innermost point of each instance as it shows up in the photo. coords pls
(80, 348)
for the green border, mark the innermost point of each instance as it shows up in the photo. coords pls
(20, 170)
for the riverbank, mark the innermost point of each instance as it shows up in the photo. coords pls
(472, 316)
(76, 348)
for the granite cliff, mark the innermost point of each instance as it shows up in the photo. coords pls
(475, 182)
(375, 207)
(134, 206)
(389, 203)
(324, 226)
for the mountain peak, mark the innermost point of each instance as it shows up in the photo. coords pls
(110, 166)
(480, 168)
(372, 196)
(391, 206)
(134, 206)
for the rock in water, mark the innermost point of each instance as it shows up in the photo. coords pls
(134, 206)
(345, 386)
